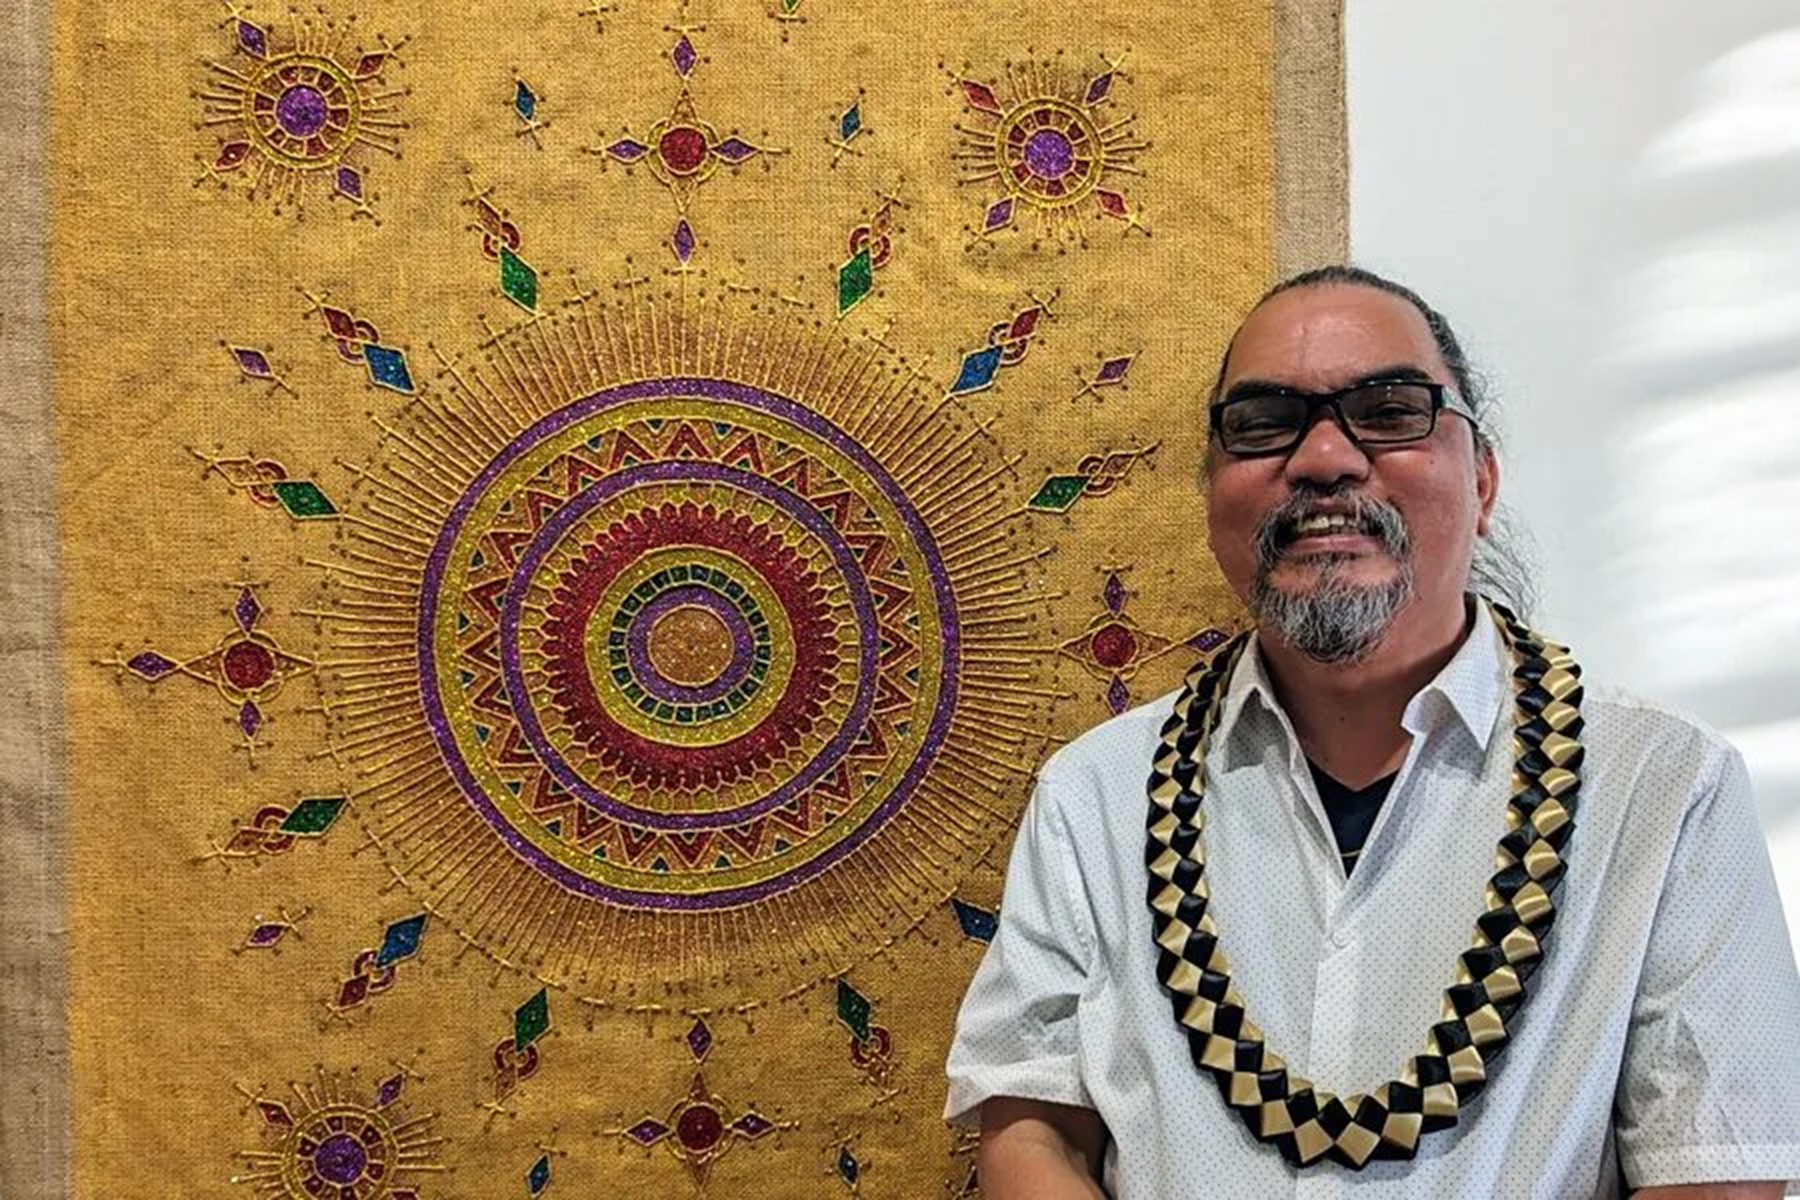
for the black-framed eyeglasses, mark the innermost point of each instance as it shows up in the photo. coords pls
(1377, 412)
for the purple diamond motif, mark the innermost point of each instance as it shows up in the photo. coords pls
(1208, 640)
(682, 242)
(628, 149)
(349, 182)
(1113, 369)
(734, 150)
(151, 665)
(684, 56)
(1118, 696)
(250, 718)
(752, 1125)
(1114, 594)
(253, 363)
(648, 1132)
(389, 1091)
(247, 610)
(253, 39)
(267, 935)
(1098, 89)
(699, 1040)
(999, 215)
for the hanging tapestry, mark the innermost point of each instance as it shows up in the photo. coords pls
(545, 546)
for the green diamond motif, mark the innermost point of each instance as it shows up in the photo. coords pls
(854, 1010)
(314, 816)
(303, 499)
(1059, 493)
(856, 279)
(518, 280)
(531, 1019)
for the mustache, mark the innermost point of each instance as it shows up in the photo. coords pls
(1280, 528)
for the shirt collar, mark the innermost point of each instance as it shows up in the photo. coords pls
(1468, 691)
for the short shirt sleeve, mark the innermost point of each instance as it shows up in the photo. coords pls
(1710, 1090)
(1016, 1033)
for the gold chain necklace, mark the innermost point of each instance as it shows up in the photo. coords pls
(1307, 1124)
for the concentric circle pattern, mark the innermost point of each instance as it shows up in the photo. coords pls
(1050, 151)
(686, 649)
(604, 522)
(303, 110)
(342, 1151)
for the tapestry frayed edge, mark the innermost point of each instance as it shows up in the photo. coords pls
(1312, 170)
(34, 1044)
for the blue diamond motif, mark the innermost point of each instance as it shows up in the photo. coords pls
(524, 101)
(387, 368)
(978, 371)
(539, 1176)
(977, 923)
(401, 941)
(850, 124)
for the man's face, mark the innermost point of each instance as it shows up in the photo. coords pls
(1415, 508)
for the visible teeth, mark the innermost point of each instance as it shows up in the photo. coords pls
(1324, 523)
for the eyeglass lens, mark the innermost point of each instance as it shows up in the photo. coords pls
(1380, 412)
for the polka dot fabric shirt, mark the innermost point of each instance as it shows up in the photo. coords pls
(1661, 1043)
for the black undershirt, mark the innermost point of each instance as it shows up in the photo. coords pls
(1351, 811)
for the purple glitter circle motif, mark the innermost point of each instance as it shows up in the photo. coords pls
(1049, 154)
(301, 110)
(653, 678)
(340, 1159)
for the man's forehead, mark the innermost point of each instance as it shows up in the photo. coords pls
(1327, 337)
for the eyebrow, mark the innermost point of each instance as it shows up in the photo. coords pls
(1406, 372)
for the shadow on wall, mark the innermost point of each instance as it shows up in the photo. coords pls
(1705, 356)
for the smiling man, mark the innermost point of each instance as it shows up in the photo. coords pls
(1290, 931)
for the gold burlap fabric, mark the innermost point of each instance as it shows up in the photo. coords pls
(543, 547)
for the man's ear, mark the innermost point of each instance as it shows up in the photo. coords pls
(1487, 485)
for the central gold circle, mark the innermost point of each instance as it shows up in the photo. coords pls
(690, 646)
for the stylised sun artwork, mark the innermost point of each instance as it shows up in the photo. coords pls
(329, 1141)
(300, 108)
(1043, 140)
(683, 649)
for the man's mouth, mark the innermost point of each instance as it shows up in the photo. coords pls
(1329, 533)
(1326, 524)
(1330, 526)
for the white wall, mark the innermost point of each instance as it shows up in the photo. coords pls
(1604, 196)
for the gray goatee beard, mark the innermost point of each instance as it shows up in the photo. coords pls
(1333, 620)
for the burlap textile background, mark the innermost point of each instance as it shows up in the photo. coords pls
(683, 195)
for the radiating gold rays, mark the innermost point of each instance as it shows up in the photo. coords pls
(502, 903)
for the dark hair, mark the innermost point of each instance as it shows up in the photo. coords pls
(1502, 566)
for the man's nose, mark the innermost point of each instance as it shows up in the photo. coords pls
(1325, 453)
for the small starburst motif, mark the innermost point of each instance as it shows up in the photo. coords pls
(332, 1139)
(1042, 140)
(300, 108)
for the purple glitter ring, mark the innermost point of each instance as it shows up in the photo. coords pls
(743, 645)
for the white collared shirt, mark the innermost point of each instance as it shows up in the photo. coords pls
(1661, 1040)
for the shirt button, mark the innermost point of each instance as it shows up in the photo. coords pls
(1341, 937)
